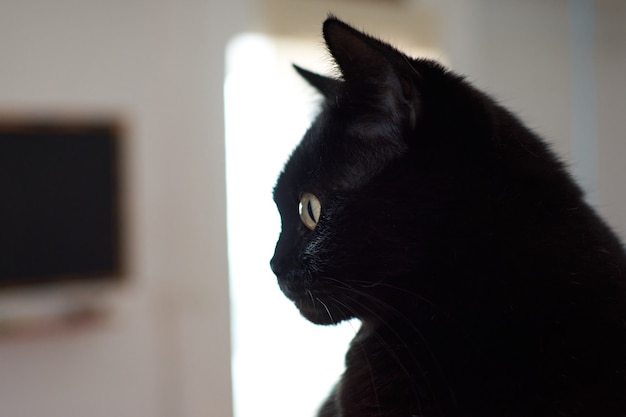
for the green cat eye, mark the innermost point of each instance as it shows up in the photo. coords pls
(310, 209)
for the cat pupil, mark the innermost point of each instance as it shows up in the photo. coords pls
(309, 208)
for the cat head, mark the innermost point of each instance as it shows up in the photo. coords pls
(399, 161)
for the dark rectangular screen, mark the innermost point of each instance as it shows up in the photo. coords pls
(58, 202)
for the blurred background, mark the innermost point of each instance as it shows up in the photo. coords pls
(191, 321)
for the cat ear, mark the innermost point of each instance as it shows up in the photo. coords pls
(372, 69)
(325, 85)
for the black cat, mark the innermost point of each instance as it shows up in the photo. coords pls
(485, 284)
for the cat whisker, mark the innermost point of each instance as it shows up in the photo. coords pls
(381, 283)
(327, 310)
(308, 291)
(386, 306)
(340, 304)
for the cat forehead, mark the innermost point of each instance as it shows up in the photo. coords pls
(306, 161)
(336, 154)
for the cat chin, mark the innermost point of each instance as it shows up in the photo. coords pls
(319, 313)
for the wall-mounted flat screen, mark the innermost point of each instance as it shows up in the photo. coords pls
(59, 201)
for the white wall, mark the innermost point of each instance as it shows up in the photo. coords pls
(610, 58)
(164, 348)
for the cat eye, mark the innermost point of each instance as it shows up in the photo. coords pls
(310, 209)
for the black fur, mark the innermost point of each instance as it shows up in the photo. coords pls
(485, 284)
